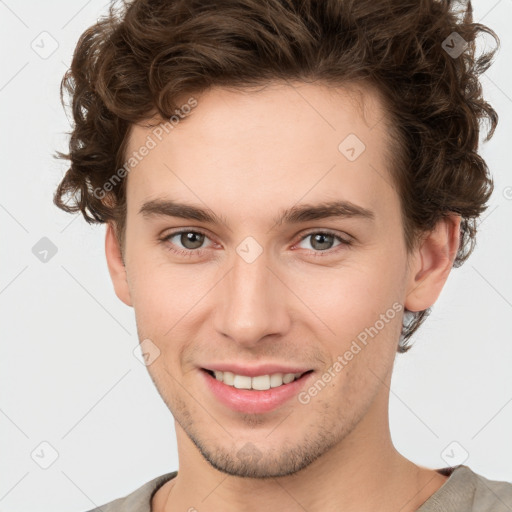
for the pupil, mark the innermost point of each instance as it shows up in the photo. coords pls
(188, 238)
(322, 236)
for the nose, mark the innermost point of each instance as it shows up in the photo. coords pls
(252, 302)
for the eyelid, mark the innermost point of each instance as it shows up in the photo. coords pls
(345, 236)
(181, 230)
(344, 241)
(303, 235)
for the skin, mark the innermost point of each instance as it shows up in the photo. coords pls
(247, 155)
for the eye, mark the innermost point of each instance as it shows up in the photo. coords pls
(322, 241)
(191, 240)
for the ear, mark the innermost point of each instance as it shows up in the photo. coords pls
(116, 266)
(431, 263)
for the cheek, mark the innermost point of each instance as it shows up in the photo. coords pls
(155, 302)
(360, 309)
(167, 305)
(343, 300)
(346, 299)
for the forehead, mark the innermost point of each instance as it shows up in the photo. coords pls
(267, 147)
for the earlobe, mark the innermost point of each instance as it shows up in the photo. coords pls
(432, 263)
(116, 266)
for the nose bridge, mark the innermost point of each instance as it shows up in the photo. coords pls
(252, 302)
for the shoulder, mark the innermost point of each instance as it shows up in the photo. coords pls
(138, 500)
(495, 495)
(467, 491)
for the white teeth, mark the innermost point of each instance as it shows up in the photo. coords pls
(242, 382)
(288, 377)
(276, 380)
(228, 378)
(260, 383)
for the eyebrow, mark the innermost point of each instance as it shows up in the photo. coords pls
(294, 215)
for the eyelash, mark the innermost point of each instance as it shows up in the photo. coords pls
(199, 252)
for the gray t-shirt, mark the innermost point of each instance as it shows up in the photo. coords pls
(464, 491)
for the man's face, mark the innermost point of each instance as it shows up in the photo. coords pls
(249, 291)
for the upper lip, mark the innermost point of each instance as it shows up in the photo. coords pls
(253, 371)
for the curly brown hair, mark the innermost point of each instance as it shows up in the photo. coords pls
(143, 55)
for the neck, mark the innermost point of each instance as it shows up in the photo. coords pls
(362, 472)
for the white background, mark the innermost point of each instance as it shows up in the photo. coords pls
(67, 369)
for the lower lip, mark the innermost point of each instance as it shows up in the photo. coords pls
(253, 401)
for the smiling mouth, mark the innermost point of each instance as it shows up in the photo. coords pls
(258, 383)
